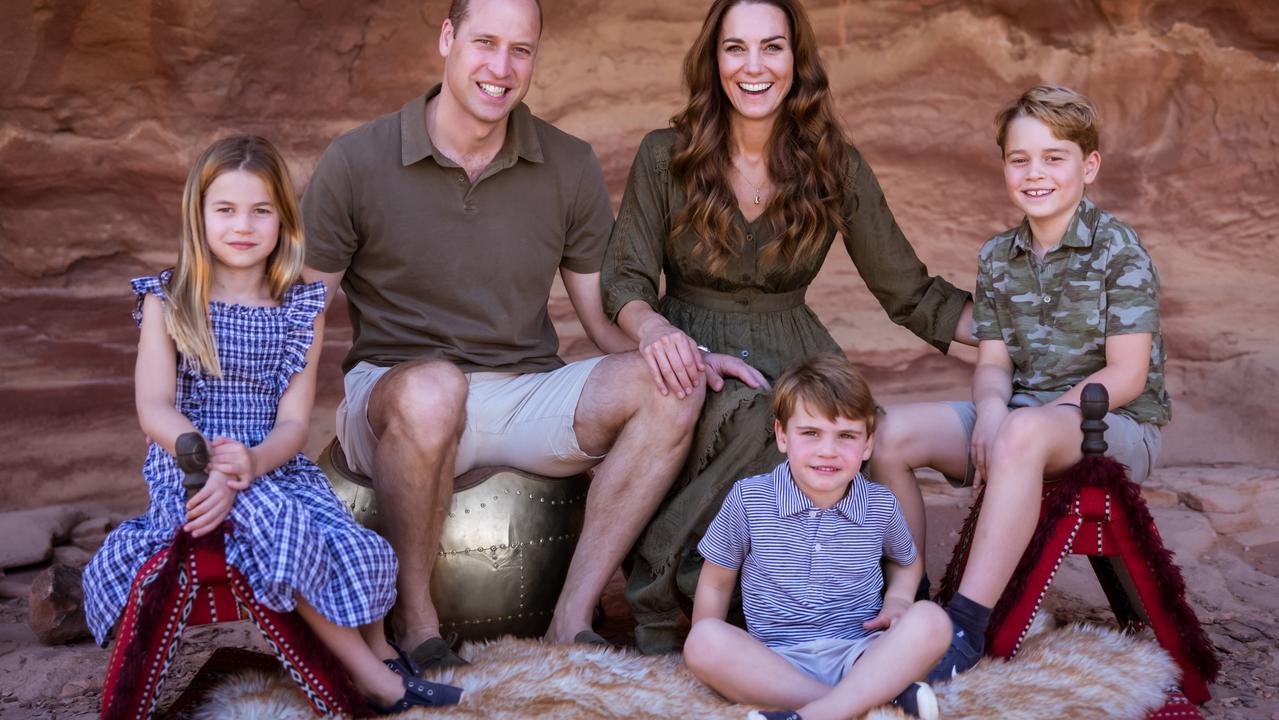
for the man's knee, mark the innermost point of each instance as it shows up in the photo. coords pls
(426, 399)
(675, 412)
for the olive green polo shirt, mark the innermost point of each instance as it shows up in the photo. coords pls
(435, 266)
(1055, 314)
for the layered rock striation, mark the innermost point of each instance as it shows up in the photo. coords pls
(104, 104)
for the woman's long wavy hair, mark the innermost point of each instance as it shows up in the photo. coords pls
(187, 311)
(806, 152)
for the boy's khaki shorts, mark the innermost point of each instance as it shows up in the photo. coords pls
(1133, 444)
(524, 420)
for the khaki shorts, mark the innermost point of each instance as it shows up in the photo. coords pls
(1133, 444)
(828, 660)
(524, 420)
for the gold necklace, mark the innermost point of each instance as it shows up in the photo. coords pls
(757, 188)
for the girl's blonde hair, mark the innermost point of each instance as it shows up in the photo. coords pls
(187, 311)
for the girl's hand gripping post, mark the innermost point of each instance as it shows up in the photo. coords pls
(193, 459)
(209, 494)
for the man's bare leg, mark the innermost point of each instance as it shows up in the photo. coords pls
(646, 436)
(418, 412)
(908, 437)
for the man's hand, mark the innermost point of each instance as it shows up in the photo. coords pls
(234, 460)
(210, 506)
(893, 608)
(720, 366)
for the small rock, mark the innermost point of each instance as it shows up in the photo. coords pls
(1232, 523)
(1261, 536)
(1214, 498)
(71, 556)
(82, 686)
(57, 606)
(14, 588)
(1185, 532)
(89, 534)
(1159, 497)
(1241, 632)
(28, 536)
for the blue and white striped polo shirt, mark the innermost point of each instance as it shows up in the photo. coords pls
(807, 573)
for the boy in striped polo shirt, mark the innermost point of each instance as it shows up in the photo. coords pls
(807, 539)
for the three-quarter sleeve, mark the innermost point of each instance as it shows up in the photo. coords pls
(635, 255)
(928, 306)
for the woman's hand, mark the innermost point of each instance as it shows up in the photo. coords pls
(672, 357)
(720, 366)
(210, 506)
(989, 418)
(233, 459)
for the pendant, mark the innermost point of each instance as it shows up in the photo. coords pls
(756, 198)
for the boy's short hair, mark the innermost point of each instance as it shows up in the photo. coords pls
(828, 384)
(1071, 115)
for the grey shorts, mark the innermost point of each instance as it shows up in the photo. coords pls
(828, 660)
(1133, 444)
(524, 420)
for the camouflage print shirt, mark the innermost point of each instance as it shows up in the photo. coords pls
(1055, 314)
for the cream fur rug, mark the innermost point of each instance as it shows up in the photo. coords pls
(1077, 671)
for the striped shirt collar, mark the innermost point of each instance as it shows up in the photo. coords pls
(792, 501)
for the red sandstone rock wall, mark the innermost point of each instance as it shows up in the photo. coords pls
(104, 103)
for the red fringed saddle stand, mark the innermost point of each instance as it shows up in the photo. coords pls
(190, 583)
(1095, 510)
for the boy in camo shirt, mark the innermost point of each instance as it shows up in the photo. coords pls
(1066, 298)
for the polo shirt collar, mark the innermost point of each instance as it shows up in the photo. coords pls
(415, 144)
(1079, 233)
(792, 501)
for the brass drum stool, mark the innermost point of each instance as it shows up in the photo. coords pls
(505, 549)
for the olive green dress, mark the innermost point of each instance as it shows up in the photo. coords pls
(757, 313)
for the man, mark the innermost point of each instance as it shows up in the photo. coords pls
(445, 224)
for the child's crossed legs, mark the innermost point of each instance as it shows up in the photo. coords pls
(747, 671)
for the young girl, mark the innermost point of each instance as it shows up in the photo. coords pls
(241, 335)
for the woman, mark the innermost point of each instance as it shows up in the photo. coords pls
(738, 204)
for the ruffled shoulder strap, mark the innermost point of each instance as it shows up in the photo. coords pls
(305, 299)
(302, 303)
(149, 284)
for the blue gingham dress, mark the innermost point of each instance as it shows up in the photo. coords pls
(291, 533)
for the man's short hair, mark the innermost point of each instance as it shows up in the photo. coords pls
(1069, 114)
(459, 8)
(827, 384)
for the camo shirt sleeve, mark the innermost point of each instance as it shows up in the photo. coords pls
(985, 316)
(1132, 285)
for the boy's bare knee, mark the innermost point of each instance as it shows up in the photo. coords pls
(893, 438)
(1023, 437)
(702, 643)
(933, 618)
